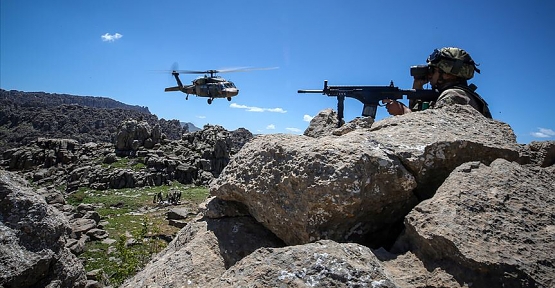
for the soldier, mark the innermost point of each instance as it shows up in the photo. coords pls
(449, 69)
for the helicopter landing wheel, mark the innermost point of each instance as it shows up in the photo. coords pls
(228, 98)
(209, 101)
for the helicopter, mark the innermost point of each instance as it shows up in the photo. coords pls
(212, 86)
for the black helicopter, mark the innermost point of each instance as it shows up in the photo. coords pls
(212, 86)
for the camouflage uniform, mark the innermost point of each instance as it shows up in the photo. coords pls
(457, 62)
(459, 95)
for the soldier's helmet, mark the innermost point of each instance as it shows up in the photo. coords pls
(454, 61)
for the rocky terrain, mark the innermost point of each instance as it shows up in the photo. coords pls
(138, 154)
(439, 198)
(26, 116)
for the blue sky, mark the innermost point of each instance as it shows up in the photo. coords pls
(112, 49)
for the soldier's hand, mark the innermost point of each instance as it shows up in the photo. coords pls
(394, 107)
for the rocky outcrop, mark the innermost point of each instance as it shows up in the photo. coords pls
(539, 153)
(439, 198)
(489, 226)
(325, 123)
(350, 187)
(45, 153)
(196, 158)
(33, 236)
(133, 135)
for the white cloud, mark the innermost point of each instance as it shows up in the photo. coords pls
(257, 109)
(201, 117)
(276, 110)
(271, 127)
(543, 133)
(307, 118)
(294, 130)
(110, 38)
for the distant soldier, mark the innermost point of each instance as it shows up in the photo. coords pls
(449, 69)
(158, 198)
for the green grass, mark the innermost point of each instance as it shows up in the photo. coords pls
(131, 212)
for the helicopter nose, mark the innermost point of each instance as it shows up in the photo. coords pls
(230, 92)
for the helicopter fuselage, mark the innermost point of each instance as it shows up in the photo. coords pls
(210, 87)
(213, 87)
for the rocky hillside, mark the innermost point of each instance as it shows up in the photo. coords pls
(439, 198)
(26, 116)
(69, 146)
(43, 99)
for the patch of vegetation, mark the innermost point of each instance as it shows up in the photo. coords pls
(135, 223)
(76, 197)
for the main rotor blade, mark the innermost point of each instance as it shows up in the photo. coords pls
(244, 69)
(192, 71)
(227, 70)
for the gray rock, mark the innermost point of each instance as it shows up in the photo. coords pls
(93, 284)
(355, 124)
(178, 213)
(84, 207)
(432, 143)
(323, 124)
(77, 246)
(33, 240)
(92, 215)
(178, 223)
(489, 226)
(321, 264)
(539, 153)
(304, 189)
(109, 241)
(97, 234)
(80, 226)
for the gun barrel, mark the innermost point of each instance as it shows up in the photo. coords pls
(311, 91)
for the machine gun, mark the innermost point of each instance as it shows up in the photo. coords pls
(371, 95)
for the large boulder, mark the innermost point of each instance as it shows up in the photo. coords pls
(32, 240)
(305, 189)
(133, 134)
(347, 188)
(321, 264)
(492, 226)
(432, 143)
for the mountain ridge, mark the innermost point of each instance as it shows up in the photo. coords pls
(26, 116)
